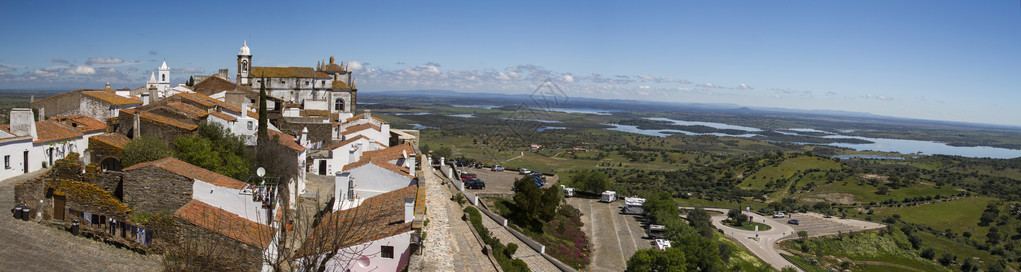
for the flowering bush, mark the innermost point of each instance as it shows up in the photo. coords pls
(565, 240)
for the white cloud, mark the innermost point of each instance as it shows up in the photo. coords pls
(744, 87)
(685, 89)
(646, 77)
(709, 85)
(567, 78)
(81, 71)
(44, 73)
(92, 61)
(354, 66)
(644, 87)
(4, 69)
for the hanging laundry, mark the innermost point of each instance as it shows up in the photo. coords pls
(148, 236)
(87, 217)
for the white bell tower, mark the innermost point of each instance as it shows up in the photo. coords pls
(163, 81)
(244, 65)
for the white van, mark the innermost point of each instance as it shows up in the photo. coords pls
(609, 196)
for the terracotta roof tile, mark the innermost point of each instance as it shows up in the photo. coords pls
(49, 131)
(81, 123)
(286, 140)
(190, 171)
(214, 84)
(208, 101)
(360, 127)
(345, 142)
(340, 85)
(225, 223)
(390, 153)
(188, 109)
(112, 139)
(278, 72)
(360, 116)
(111, 97)
(148, 116)
(224, 116)
(376, 218)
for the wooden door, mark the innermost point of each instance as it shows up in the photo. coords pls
(58, 206)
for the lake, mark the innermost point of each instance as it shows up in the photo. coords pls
(878, 144)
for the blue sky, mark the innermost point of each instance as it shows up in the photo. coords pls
(942, 60)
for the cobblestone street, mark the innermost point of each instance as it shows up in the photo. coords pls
(449, 244)
(29, 246)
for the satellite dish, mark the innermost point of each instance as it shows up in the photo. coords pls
(261, 172)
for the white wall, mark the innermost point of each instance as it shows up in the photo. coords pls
(16, 150)
(40, 152)
(350, 258)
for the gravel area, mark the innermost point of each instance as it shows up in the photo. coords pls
(614, 236)
(30, 246)
(817, 225)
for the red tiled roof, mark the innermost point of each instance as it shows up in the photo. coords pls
(345, 142)
(360, 127)
(224, 116)
(113, 139)
(49, 131)
(340, 85)
(279, 72)
(376, 218)
(81, 123)
(190, 171)
(360, 116)
(188, 109)
(207, 101)
(112, 98)
(390, 153)
(227, 224)
(148, 116)
(285, 140)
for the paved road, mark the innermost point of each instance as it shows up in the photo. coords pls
(30, 246)
(764, 246)
(614, 237)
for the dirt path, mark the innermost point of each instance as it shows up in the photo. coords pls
(30, 246)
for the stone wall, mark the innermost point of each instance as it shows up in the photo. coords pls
(61, 105)
(232, 252)
(152, 189)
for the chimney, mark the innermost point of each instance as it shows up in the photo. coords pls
(145, 98)
(23, 122)
(341, 184)
(411, 164)
(136, 126)
(409, 210)
(304, 136)
(368, 114)
(107, 85)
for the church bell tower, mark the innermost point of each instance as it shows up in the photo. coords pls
(244, 65)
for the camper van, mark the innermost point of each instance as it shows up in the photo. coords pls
(662, 244)
(568, 192)
(609, 196)
(633, 205)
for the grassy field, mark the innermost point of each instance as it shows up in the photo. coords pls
(869, 251)
(867, 193)
(786, 169)
(958, 215)
(741, 258)
(942, 244)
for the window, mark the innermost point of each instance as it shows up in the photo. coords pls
(7, 162)
(306, 83)
(339, 105)
(322, 82)
(164, 77)
(282, 81)
(386, 252)
(249, 125)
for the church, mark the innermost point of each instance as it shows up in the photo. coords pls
(328, 86)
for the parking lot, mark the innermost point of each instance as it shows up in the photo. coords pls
(614, 237)
(817, 225)
(498, 182)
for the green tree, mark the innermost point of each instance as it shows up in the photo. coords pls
(263, 115)
(882, 189)
(591, 181)
(671, 259)
(191, 81)
(143, 149)
(443, 152)
(215, 149)
(527, 196)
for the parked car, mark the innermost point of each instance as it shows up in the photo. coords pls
(793, 221)
(480, 165)
(497, 168)
(779, 215)
(475, 184)
(524, 171)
